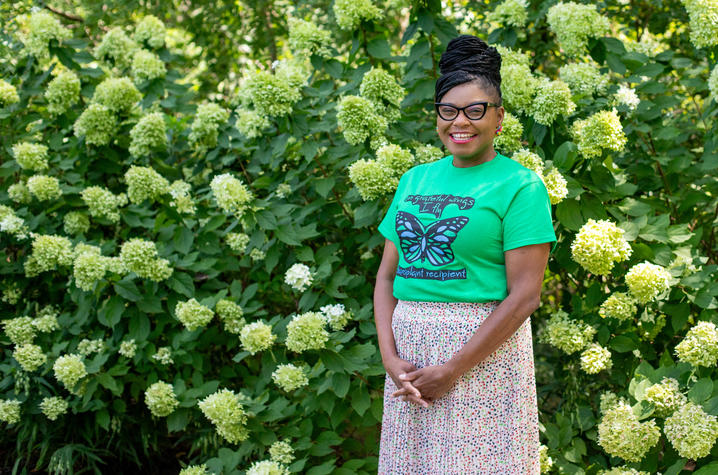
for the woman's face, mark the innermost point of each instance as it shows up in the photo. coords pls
(480, 146)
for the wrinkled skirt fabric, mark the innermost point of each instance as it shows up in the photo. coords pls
(486, 424)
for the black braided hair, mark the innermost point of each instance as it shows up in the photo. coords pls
(469, 59)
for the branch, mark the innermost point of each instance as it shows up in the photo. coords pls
(69, 16)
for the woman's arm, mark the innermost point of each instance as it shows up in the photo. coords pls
(384, 301)
(525, 268)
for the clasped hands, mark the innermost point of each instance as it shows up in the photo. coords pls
(425, 385)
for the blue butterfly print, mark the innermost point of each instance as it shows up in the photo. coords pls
(432, 243)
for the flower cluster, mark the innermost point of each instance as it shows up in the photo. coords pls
(556, 186)
(700, 345)
(30, 156)
(627, 96)
(358, 119)
(11, 293)
(195, 470)
(102, 203)
(48, 253)
(117, 94)
(256, 336)
(703, 18)
(281, 452)
(510, 13)
(573, 23)
(46, 320)
(350, 13)
(97, 124)
(43, 27)
(647, 281)
(602, 130)
(128, 348)
(552, 99)
(224, 409)
(289, 377)
(428, 153)
(117, 47)
(284, 190)
(306, 332)
(205, 126)
(595, 358)
(509, 140)
(150, 30)
(621, 434)
(144, 183)
(87, 347)
(53, 407)
(336, 316)
(373, 178)
(250, 123)
(11, 223)
(140, 256)
(193, 314)
(307, 38)
(546, 462)
(75, 222)
(237, 241)
(20, 330)
(163, 356)
(88, 269)
(623, 471)
(384, 92)
(273, 94)
(147, 66)
(29, 356)
(299, 277)
(69, 369)
(62, 92)
(665, 396)
(10, 411)
(518, 86)
(8, 94)
(231, 315)
(598, 245)
(256, 254)
(44, 187)
(161, 399)
(19, 193)
(231, 194)
(712, 84)
(566, 334)
(529, 160)
(267, 467)
(691, 431)
(618, 305)
(148, 134)
(584, 79)
(181, 199)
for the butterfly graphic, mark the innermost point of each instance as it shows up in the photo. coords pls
(432, 243)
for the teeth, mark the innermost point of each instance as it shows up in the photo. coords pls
(462, 136)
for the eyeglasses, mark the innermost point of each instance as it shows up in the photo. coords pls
(474, 111)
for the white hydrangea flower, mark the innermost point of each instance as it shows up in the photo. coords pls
(231, 194)
(598, 245)
(627, 96)
(299, 277)
(647, 281)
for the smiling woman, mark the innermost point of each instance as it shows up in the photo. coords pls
(466, 248)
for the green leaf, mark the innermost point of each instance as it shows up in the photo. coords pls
(361, 401)
(701, 391)
(568, 212)
(111, 311)
(379, 48)
(182, 283)
(710, 469)
(177, 421)
(183, 239)
(102, 418)
(623, 343)
(127, 289)
(340, 384)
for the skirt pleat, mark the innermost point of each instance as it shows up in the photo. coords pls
(486, 424)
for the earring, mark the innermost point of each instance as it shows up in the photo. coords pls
(498, 131)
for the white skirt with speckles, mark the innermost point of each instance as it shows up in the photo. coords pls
(486, 424)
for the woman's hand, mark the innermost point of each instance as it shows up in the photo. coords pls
(397, 366)
(431, 381)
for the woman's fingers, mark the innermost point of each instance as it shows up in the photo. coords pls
(417, 400)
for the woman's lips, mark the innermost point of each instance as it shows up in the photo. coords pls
(464, 139)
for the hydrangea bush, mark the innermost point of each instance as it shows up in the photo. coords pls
(136, 203)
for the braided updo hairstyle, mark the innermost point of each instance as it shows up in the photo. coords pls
(469, 59)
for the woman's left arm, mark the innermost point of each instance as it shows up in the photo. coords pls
(525, 268)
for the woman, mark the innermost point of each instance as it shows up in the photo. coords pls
(467, 242)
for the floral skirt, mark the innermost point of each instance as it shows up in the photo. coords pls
(486, 424)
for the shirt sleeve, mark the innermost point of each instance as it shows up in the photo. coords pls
(528, 218)
(386, 227)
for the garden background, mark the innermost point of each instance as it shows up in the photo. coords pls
(189, 200)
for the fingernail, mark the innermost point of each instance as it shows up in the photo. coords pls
(402, 375)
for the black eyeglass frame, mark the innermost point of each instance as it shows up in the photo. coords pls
(463, 109)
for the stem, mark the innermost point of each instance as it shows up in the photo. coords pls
(433, 58)
(366, 50)
(700, 113)
(69, 16)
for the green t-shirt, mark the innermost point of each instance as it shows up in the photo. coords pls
(452, 225)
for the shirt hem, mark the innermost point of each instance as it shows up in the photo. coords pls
(528, 242)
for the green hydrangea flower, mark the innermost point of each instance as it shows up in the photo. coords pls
(598, 245)
(53, 407)
(10, 411)
(382, 89)
(712, 83)
(602, 130)
(700, 345)
(665, 396)
(195, 470)
(595, 358)
(510, 13)
(19, 193)
(372, 179)
(62, 92)
(619, 305)
(621, 434)
(529, 160)
(150, 30)
(574, 23)
(69, 370)
(350, 13)
(647, 281)
(691, 431)
(306, 332)
(267, 467)
(144, 183)
(76, 222)
(193, 314)
(140, 256)
(250, 123)
(97, 124)
(427, 154)
(8, 94)
(147, 66)
(281, 452)
(30, 156)
(566, 334)
(116, 48)
(160, 398)
(256, 336)
(29, 356)
(148, 134)
(552, 99)
(584, 79)
(44, 187)
(358, 119)
(119, 95)
(703, 22)
(518, 87)
(509, 140)
(289, 377)
(556, 186)
(102, 203)
(205, 126)
(88, 269)
(128, 348)
(48, 253)
(224, 409)
(181, 198)
(231, 194)
(43, 26)
(231, 315)
(307, 38)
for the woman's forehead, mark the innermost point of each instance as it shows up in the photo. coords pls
(467, 93)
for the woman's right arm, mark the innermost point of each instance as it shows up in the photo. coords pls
(384, 303)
